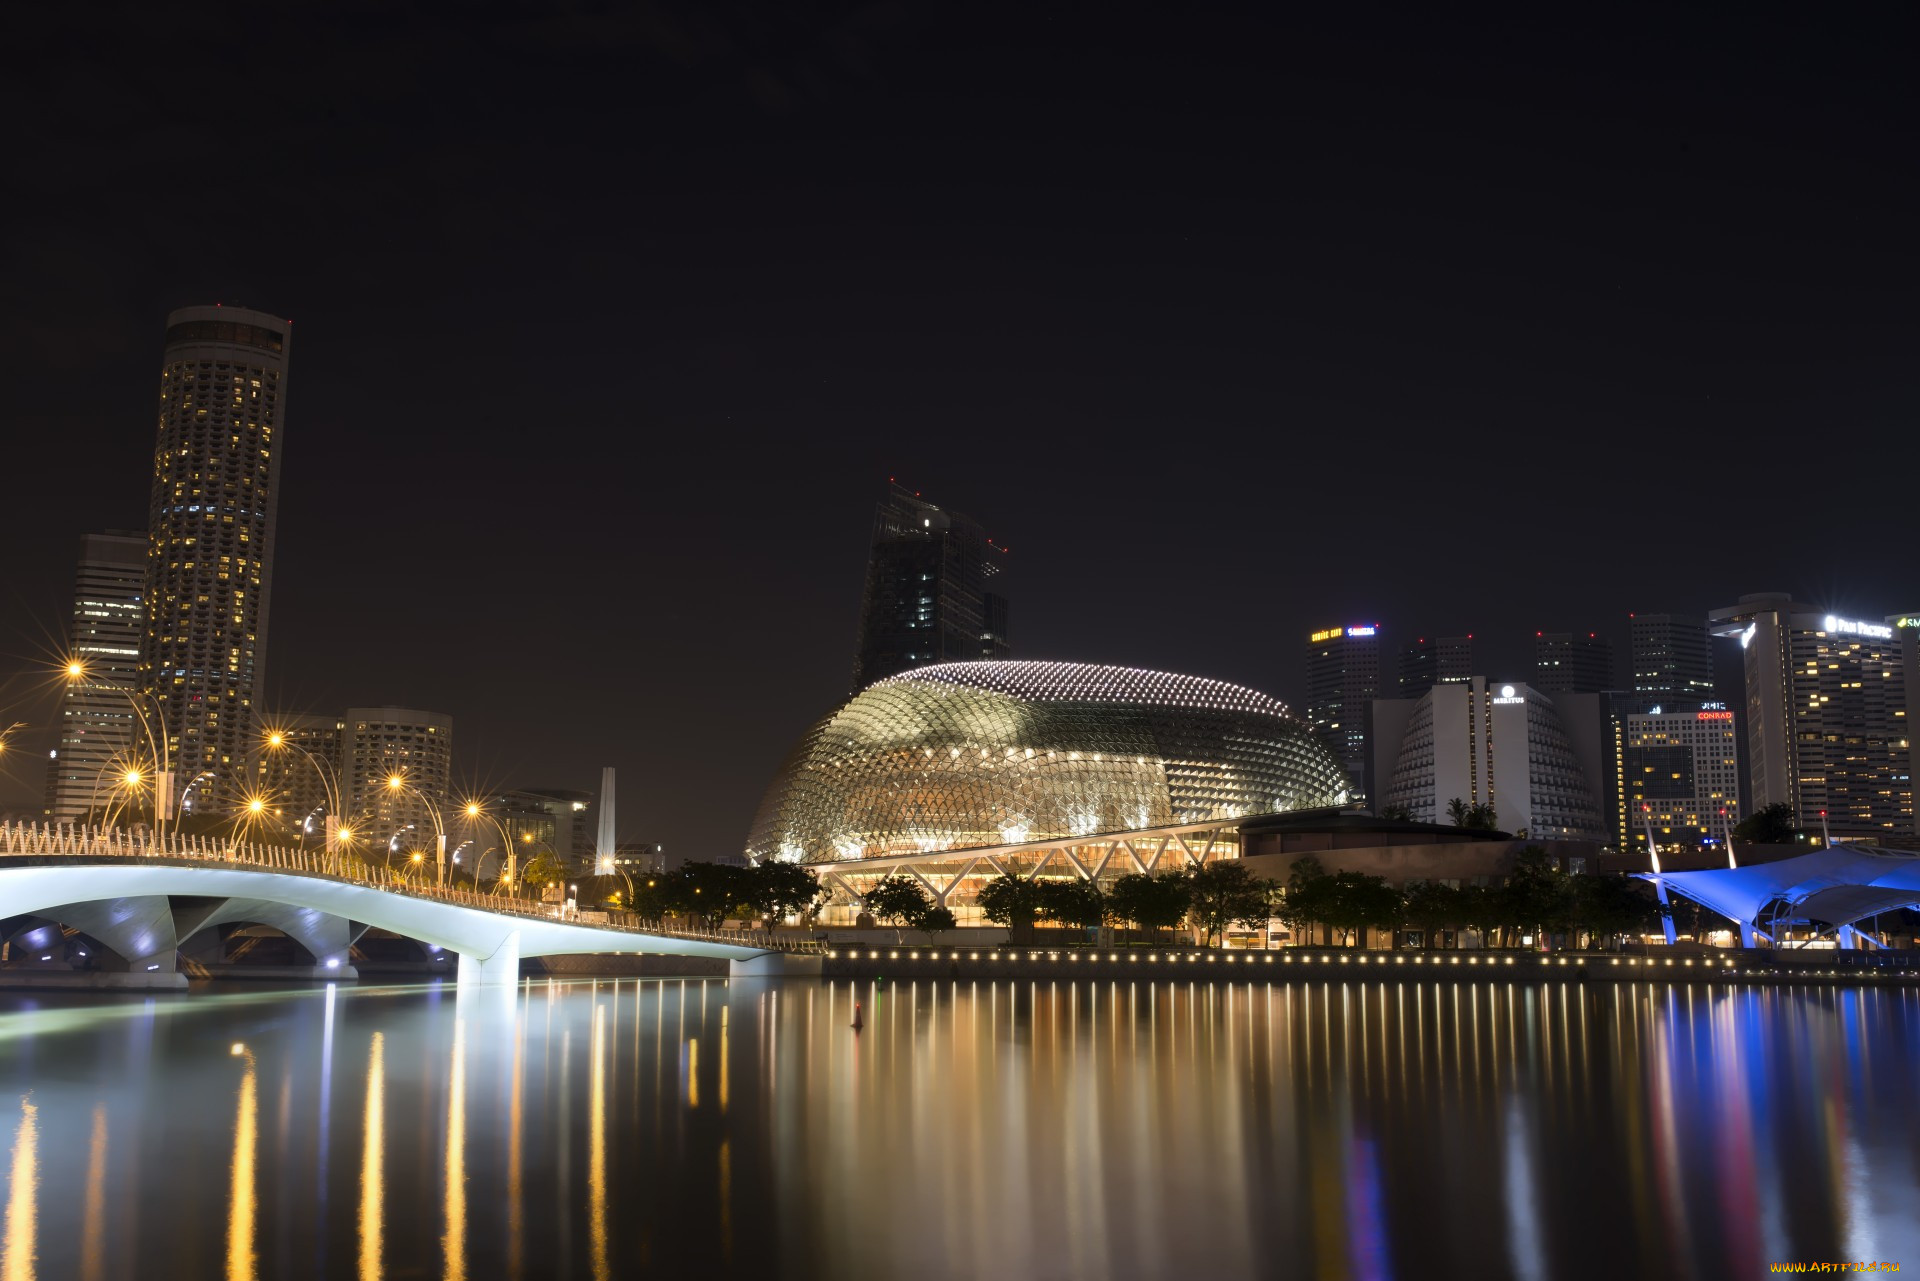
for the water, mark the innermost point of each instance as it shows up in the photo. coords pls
(1008, 1130)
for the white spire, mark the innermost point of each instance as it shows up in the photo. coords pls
(603, 848)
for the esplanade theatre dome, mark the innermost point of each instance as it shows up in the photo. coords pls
(964, 755)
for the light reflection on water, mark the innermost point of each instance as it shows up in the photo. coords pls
(1018, 1129)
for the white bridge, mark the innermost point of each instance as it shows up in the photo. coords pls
(143, 901)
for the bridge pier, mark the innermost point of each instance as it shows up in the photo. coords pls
(777, 965)
(502, 967)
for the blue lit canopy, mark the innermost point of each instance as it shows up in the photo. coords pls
(1834, 886)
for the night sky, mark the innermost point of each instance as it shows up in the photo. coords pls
(612, 322)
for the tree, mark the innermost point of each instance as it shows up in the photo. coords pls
(1479, 817)
(1482, 911)
(1074, 903)
(1012, 901)
(1430, 907)
(711, 891)
(1609, 906)
(1773, 825)
(1150, 902)
(1353, 901)
(544, 868)
(936, 920)
(1223, 894)
(1307, 894)
(1536, 893)
(1396, 813)
(900, 899)
(774, 888)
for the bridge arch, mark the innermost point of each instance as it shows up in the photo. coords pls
(127, 903)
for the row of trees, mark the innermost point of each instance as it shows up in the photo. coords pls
(712, 893)
(1537, 898)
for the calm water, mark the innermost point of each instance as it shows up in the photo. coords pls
(1006, 1130)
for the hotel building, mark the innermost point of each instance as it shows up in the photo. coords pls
(216, 482)
(1827, 725)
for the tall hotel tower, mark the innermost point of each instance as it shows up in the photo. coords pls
(216, 482)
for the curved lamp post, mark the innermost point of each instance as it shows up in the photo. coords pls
(397, 785)
(75, 671)
(278, 740)
(477, 812)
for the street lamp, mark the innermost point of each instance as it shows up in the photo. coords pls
(397, 785)
(278, 740)
(477, 812)
(75, 671)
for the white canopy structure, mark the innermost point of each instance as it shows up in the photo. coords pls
(1833, 887)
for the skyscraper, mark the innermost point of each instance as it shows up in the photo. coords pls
(1671, 657)
(216, 474)
(98, 726)
(1343, 679)
(1568, 663)
(1434, 660)
(927, 599)
(1826, 723)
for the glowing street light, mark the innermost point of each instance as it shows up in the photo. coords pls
(397, 785)
(75, 671)
(278, 740)
(477, 812)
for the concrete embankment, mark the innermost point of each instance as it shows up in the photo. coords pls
(1317, 965)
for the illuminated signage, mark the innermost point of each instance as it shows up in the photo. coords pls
(1507, 696)
(1332, 633)
(1746, 637)
(1849, 627)
(1715, 716)
(1713, 707)
(1907, 621)
(1360, 631)
(1335, 633)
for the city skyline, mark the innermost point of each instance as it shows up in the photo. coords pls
(545, 459)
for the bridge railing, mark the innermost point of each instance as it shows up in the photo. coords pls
(57, 840)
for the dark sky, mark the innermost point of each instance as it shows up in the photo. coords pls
(611, 323)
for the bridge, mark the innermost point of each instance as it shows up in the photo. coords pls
(144, 900)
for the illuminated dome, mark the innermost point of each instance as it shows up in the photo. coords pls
(964, 755)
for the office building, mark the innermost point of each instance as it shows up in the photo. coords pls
(640, 858)
(1434, 660)
(1343, 680)
(1569, 663)
(1672, 658)
(1826, 715)
(378, 744)
(216, 481)
(1509, 746)
(1678, 770)
(927, 596)
(99, 734)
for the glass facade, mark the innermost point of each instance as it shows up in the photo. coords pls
(969, 755)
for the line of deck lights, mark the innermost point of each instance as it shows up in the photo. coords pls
(1268, 958)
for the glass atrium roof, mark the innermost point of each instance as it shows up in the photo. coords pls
(969, 755)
